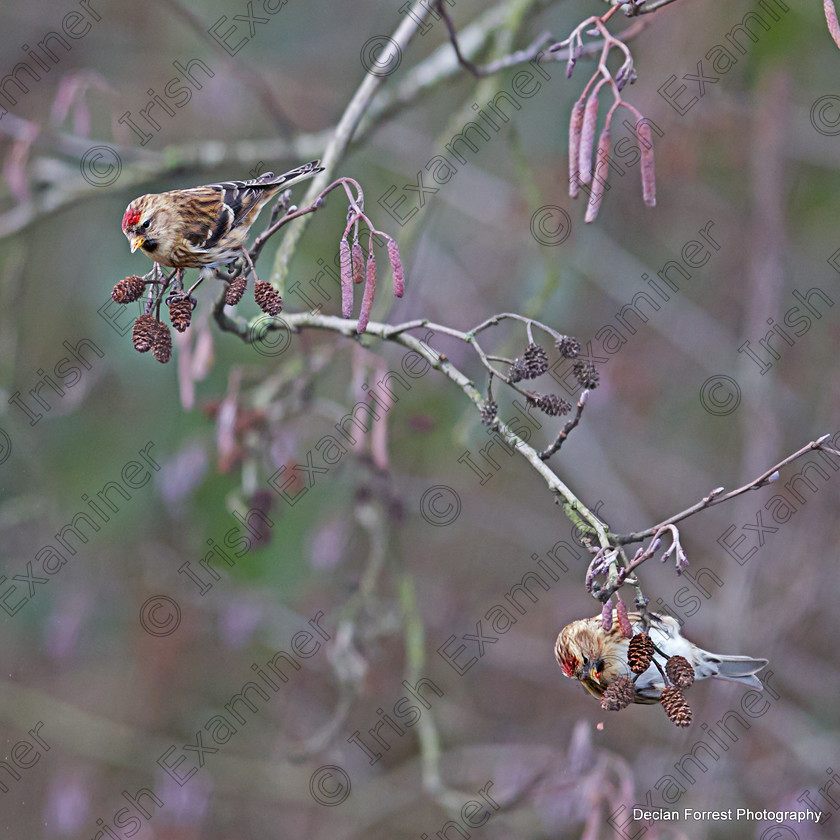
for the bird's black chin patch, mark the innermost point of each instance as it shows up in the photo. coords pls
(150, 246)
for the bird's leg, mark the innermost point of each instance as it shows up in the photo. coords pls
(201, 277)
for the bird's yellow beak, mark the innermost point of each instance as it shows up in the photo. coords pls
(137, 242)
(595, 676)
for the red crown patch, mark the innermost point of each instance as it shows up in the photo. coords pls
(131, 217)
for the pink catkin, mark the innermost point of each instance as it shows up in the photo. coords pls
(599, 179)
(607, 616)
(624, 619)
(831, 20)
(358, 263)
(370, 291)
(396, 268)
(648, 166)
(346, 278)
(575, 126)
(587, 138)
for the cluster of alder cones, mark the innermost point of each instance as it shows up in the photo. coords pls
(534, 363)
(678, 673)
(150, 333)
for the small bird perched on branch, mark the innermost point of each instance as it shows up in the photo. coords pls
(204, 227)
(597, 657)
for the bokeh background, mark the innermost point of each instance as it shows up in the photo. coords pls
(757, 156)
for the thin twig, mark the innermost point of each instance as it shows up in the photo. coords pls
(566, 431)
(715, 497)
(577, 512)
(519, 57)
(340, 140)
(653, 7)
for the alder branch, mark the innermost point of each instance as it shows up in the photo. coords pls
(577, 512)
(140, 166)
(340, 140)
(715, 497)
(609, 560)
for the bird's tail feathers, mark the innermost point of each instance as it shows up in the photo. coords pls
(739, 669)
(300, 173)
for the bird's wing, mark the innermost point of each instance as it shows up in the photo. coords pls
(243, 197)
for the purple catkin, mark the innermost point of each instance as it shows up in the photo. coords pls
(607, 615)
(346, 278)
(599, 178)
(587, 138)
(575, 126)
(370, 291)
(396, 268)
(358, 263)
(623, 619)
(648, 167)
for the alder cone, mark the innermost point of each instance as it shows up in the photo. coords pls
(162, 346)
(234, 292)
(267, 298)
(679, 671)
(640, 653)
(128, 290)
(618, 695)
(143, 333)
(676, 706)
(180, 313)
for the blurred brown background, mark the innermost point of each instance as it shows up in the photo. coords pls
(757, 156)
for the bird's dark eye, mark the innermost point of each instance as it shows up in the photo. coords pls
(145, 225)
(585, 661)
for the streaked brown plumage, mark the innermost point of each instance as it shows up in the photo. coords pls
(594, 656)
(203, 227)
